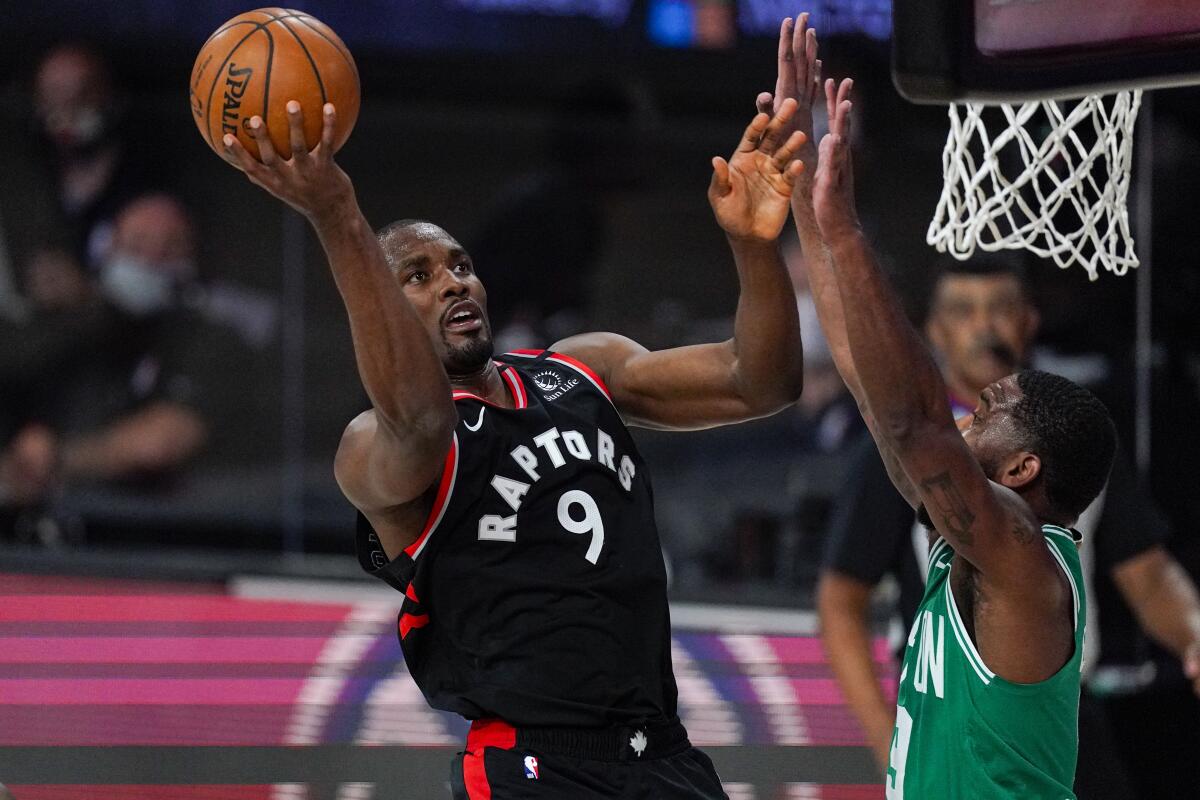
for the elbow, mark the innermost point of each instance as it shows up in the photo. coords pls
(774, 395)
(768, 403)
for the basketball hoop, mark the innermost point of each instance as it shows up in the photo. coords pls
(1047, 176)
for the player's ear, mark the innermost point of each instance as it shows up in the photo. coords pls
(1020, 469)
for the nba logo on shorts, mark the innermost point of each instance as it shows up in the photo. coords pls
(531, 768)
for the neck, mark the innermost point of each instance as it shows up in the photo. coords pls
(484, 382)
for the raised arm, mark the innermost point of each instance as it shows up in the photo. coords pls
(392, 454)
(757, 372)
(799, 77)
(904, 393)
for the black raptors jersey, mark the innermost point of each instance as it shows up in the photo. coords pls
(536, 591)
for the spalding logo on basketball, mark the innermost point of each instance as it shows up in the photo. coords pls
(258, 61)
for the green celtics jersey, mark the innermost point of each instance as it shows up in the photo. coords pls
(964, 732)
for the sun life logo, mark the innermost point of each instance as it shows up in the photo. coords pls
(553, 385)
(547, 381)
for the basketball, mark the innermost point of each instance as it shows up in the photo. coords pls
(258, 61)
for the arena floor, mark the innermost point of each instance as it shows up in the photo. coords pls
(122, 689)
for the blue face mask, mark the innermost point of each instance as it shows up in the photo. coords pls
(136, 286)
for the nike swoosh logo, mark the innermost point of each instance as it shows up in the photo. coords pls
(478, 423)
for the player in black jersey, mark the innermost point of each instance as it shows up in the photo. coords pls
(504, 497)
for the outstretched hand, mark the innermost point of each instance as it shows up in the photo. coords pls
(751, 192)
(307, 180)
(833, 190)
(798, 76)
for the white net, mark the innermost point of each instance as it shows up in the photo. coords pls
(1047, 176)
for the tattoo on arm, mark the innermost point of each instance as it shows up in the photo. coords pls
(949, 504)
(1023, 533)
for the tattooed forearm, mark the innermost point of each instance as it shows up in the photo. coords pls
(948, 508)
(1024, 534)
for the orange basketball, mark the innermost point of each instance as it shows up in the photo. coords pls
(258, 61)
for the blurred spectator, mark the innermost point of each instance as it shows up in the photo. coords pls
(982, 324)
(55, 282)
(79, 118)
(119, 379)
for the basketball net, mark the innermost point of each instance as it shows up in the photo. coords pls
(1048, 176)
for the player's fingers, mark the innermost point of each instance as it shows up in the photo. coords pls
(774, 132)
(811, 61)
(764, 103)
(241, 158)
(814, 86)
(720, 178)
(296, 131)
(844, 89)
(830, 98)
(789, 149)
(754, 133)
(785, 82)
(328, 124)
(793, 172)
(799, 45)
(844, 109)
(826, 149)
(266, 150)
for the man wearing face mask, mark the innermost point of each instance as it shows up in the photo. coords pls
(108, 396)
(78, 117)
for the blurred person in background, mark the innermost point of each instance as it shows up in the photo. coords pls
(982, 324)
(91, 166)
(117, 378)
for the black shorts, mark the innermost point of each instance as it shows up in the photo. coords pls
(652, 763)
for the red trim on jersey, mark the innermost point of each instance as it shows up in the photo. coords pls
(585, 369)
(410, 594)
(571, 362)
(484, 733)
(514, 384)
(445, 487)
(410, 621)
(515, 388)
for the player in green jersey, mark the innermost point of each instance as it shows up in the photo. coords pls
(989, 689)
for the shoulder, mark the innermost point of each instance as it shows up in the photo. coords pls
(603, 352)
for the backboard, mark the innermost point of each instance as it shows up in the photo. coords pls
(995, 51)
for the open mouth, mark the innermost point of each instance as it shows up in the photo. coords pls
(463, 317)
